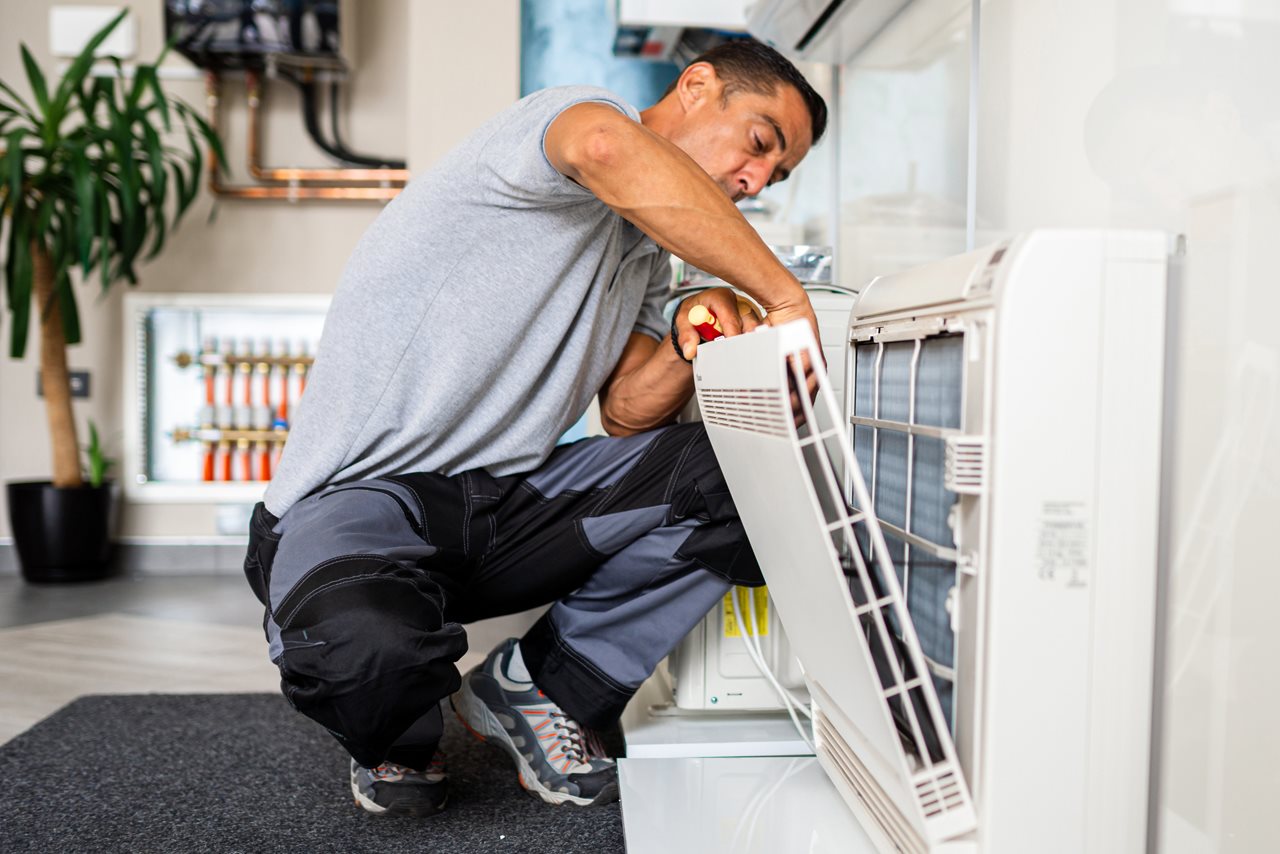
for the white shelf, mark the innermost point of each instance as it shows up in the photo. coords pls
(760, 805)
(672, 733)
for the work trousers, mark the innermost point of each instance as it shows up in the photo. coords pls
(366, 584)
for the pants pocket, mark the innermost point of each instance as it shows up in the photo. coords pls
(263, 542)
(367, 655)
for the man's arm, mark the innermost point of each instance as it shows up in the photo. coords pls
(657, 187)
(647, 388)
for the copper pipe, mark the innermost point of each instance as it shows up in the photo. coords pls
(262, 173)
(291, 192)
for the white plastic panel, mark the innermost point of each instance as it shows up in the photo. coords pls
(770, 805)
(939, 282)
(821, 30)
(845, 608)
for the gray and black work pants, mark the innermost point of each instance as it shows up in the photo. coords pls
(366, 584)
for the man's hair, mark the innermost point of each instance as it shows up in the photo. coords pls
(746, 65)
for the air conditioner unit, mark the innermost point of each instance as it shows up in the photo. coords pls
(971, 597)
(821, 30)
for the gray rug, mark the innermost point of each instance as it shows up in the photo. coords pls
(244, 772)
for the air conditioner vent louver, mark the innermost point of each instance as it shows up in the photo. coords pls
(843, 759)
(965, 464)
(938, 796)
(756, 409)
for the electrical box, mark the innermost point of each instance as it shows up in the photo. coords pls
(259, 34)
(212, 384)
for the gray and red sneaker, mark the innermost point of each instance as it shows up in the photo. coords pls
(553, 755)
(393, 790)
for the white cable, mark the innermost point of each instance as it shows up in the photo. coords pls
(788, 701)
(755, 806)
(755, 654)
(754, 624)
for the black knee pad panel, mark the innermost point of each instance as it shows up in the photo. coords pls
(367, 651)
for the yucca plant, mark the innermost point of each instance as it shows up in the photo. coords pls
(90, 178)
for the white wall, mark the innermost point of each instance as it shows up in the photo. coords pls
(1165, 113)
(904, 124)
(426, 75)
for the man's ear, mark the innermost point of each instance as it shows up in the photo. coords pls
(698, 84)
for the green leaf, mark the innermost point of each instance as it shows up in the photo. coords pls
(155, 156)
(157, 92)
(66, 297)
(196, 162)
(19, 284)
(132, 217)
(208, 133)
(158, 188)
(44, 215)
(86, 207)
(181, 181)
(16, 158)
(5, 122)
(36, 78)
(104, 234)
(99, 462)
(21, 104)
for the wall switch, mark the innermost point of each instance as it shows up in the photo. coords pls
(79, 384)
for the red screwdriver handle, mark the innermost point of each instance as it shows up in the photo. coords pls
(704, 320)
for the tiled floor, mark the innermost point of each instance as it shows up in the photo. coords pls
(164, 634)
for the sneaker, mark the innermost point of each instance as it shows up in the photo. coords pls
(392, 789)
(550, 749)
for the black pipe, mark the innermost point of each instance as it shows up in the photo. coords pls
(339, 152)
(337, 135)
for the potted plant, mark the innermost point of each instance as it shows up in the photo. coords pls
(94, 174)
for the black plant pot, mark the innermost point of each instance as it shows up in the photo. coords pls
(61, 534)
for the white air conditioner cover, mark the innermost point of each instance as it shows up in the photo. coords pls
(881, 733)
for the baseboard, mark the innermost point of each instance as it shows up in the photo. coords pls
(160, 556)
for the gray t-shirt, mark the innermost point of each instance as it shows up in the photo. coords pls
(478, 316)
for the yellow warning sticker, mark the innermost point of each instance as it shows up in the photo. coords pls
(746, 596)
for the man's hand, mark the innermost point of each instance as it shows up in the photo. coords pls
(779, 315)
(735, 314)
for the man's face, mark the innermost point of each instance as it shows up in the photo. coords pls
(747, 142)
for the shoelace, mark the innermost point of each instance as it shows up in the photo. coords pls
(573, 745)
(390, 770)
(595, 745)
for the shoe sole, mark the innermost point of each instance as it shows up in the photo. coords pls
(409, 811)
(481, 722)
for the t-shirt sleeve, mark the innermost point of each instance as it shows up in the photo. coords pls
(513, 164)
(650, 320)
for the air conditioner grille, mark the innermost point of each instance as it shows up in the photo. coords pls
(754, 409)
(965, 463)
(862, 783)
(908, 402)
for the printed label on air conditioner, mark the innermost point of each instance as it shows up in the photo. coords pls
(746, 595)
(1062, 551)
